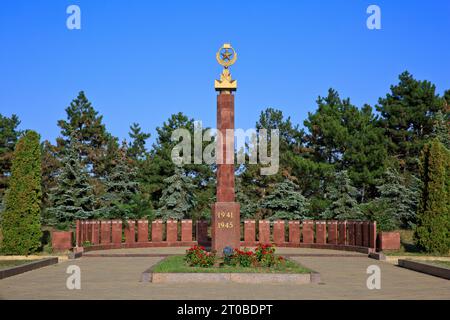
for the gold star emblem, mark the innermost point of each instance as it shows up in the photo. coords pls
(226, 55)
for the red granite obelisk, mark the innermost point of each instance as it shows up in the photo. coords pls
(225, 228)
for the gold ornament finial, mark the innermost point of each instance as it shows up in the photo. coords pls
(226, 56)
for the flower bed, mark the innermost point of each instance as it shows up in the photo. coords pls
(198, 260)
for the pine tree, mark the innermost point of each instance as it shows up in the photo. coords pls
(9, 134)
(342, 195)
(178, 196)
(73, 197)
(347, 137)
(136, 148)
(432, 233)
(407, 115)
(20, 221)
(285, 201)
(121, 187)
(398, 199)
(93, 139)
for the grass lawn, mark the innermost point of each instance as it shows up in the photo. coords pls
(176, 264)
(5, 264)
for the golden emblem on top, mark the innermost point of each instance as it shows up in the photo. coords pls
(226, 56)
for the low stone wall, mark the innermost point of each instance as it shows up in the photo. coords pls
(359, 236)
(114, 234)
(5, 273)
(425, 268)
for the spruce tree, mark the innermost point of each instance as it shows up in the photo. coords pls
(73, 196)
(93, 139)
(342, 195)
(432, 233)
(178, 197)
(398, 199)
(20, 221)
(121, 187)
(285, 201)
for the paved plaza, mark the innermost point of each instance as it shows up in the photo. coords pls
(343, 276)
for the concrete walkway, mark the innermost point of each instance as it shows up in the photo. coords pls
(343, 277)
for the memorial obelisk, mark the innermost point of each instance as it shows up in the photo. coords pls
(225, 228)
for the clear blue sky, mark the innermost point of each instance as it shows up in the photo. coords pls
(141, 61)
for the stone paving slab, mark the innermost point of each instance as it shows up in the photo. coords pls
(118, 278)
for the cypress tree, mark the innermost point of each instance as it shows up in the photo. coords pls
(441, 128)
(433, 219)
(9, 134)
(73, 196)
(20, 221)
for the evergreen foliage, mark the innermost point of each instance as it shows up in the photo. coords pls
(342, 135)
(441, 128)
(407, 116)
(136, 149)
(73, 197)
(121, 188)
(342, 195)
(20, 221)
(9, 134)
(247, 200)
(398, 199)
(94, 141)
(432, 233)
(285, 201)
(178, 196)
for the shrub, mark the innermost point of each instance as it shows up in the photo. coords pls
(197, 256)
(20, 221)
(433, 219)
